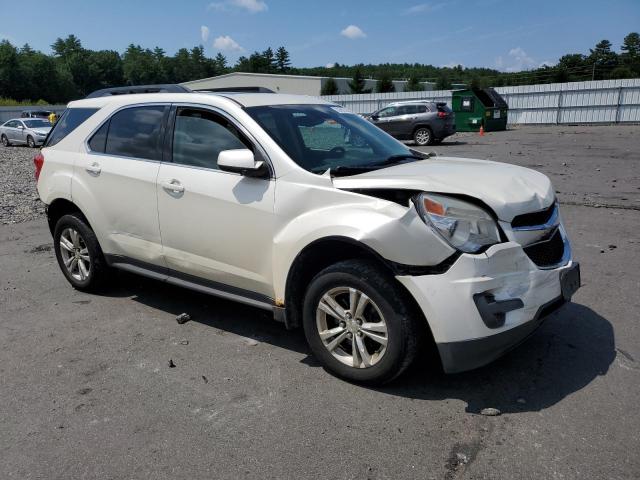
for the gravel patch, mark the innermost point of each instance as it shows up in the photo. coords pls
(19, 201)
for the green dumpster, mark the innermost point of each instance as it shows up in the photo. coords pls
(475, 107)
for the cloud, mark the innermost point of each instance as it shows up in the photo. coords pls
(251, 6)
(353, 32)
(516, 61)
(204, 33)
(423, 8)
(330, 65)
(226, 43)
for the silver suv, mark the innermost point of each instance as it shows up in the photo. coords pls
(421, 121)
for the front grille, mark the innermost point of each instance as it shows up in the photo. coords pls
(534, 218)
(547, 252)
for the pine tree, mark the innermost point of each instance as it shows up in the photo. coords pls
(357, 84)
(413, 85)
(385, 84)
(221, 63)
(631, 46)
(443, 82)
(269, 60)
(330, 87)
(283, 62)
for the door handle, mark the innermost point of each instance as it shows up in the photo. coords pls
(94, 168)
(173, 186)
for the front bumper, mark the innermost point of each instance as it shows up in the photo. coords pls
(503, 273)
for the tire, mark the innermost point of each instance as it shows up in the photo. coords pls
(30, 142)
(5, 141)
(423, 136)
(387, 303)
(96, 272)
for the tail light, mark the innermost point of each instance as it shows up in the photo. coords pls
(38, 162)
(442, 114)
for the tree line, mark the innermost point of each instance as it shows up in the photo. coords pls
(72, 71)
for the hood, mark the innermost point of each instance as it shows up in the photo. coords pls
(42, 130)
(508, 189)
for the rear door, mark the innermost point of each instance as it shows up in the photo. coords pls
(116, 181)
(11, 131)
(216, 225)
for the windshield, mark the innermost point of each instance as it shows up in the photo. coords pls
(36, 123)
(321, 137)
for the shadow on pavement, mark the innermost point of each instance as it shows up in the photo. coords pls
(572, 348)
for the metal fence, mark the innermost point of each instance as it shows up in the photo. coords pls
(600, 101)
(7, 113)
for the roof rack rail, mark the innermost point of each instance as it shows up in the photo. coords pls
(129, 89)
(234, 90)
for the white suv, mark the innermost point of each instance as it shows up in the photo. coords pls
(296, 206)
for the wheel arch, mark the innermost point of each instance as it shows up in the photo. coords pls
(60, 207)
(421, 125)
(326, 251)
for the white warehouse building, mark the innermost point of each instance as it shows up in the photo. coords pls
(294, 84)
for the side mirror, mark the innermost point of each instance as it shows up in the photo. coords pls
(243, 162)
(374, 117)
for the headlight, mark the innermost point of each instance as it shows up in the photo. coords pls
(463, 225)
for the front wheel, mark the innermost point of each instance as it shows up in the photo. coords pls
(5, 141)
(30, 142)
(423, 136)
(359, 323)
(79, 254)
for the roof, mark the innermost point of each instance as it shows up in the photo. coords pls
(244, 99)
(277, 75)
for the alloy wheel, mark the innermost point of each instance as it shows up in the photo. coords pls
(423, 136)
(351, 327)
(75, 254)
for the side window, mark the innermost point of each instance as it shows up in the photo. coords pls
(200, 135)
(466, 104)
(69, 121)
(12, 124)
(135, 132)
(99, 140)
(421, 109)
(387, 112)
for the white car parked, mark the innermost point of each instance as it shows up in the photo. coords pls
(294, 205)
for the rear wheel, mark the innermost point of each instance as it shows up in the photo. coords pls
(359, 323)
(423, 136)
(5, 141)
(79, 254)
(31, 142)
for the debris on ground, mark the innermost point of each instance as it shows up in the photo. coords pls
(184, 342)
(251, 342)
(171, 364)
(206, 380)
(183, 318)
(521, 401)
(490, 412)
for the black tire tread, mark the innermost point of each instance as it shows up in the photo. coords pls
(101, 272)
(381, 280)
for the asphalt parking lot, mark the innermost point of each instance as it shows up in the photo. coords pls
(86, 390)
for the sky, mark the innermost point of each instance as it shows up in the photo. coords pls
(508, 35)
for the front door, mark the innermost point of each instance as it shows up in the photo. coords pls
(215, 225)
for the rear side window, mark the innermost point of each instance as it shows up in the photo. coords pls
(135, 132)
(99, 139)
(71, 119)
(201, 135)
